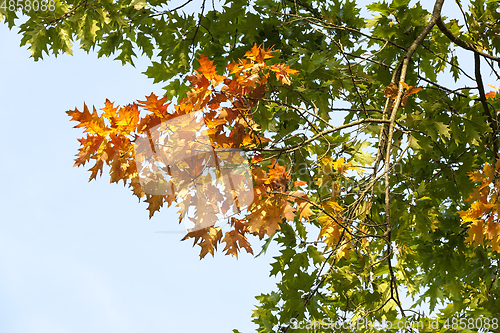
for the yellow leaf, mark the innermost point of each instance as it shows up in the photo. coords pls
(475, 233)
(344, 251)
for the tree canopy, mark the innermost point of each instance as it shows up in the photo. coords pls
(364, 145)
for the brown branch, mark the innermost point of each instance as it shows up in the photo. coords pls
(401, 73)
(312, 10)
(68, 13)
(300, 145)
(484, 103)
(460, 42)
(319, 22)
(339, 45)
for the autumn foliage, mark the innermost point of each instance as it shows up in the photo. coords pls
(132, 139)
(483, 214)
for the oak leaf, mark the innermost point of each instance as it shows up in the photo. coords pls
(259, 54)
(234, 241)
(208, 70)
(209, 237)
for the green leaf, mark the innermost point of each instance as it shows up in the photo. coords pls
(265, 246)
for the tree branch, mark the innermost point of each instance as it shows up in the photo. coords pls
(484, 103)
(436, 14)
(460, 42)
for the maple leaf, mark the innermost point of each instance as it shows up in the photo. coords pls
(329, 231)
(283, 73)
(205, 212)
(303, 204)
(277, 175)
(341, 166)
(484, 206)
(97, 168)
(198, 81)
(271, 224)
(126, 119)
(155, 203)
(135, 185)
(475, 233)
(265, 218)
(491, 94)
(495, 244)
(391, 91)
(90, 146)
(335, 207)
(410, 90)
(207, 69)
(287, 211)
(344, 251)
(239, 224)
(234, 241)
(234, 68)
(257, 53)
(92, 122)
(109, 111)
(492, 230)
(155, 105)
(257, 158)
(119, 170)
(209, 237)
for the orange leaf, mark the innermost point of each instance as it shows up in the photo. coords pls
(491, 95)
(207, 69)
(331, 234)
(233, 68)
(265, 217)
(257, 158)
(93, 123)
(109, 109)
(258, 53)
(302, 205)
(283, 72)
(155, 105)
(127, 118)
(234, 241)
(89, 148)
(494, 87)
(407, 87)
(413, 90)
(299, 183)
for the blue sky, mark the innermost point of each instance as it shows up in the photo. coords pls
(84, 257)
